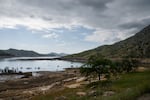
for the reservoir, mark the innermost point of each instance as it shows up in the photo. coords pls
(36, 65)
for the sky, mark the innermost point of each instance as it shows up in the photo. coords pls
(69, 26)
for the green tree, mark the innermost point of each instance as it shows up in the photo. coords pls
(129, 64)
(96, 65)
(117, 67)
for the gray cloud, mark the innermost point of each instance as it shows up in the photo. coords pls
(138, 24)
(96, 4)
(121, 15)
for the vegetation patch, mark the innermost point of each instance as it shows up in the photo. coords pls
(129, 87)
(107, 81)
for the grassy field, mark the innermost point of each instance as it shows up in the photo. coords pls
(128, 87)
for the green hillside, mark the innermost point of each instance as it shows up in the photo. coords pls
(137, 46)
(22, 53)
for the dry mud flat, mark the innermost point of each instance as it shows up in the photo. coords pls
(26, 88)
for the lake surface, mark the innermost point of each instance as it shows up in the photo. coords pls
(36, 65)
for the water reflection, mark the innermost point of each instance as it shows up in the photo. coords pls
(36, 65)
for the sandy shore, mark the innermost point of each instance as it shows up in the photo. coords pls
(26, 88)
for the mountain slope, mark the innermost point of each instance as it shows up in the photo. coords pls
(4, 54)
(26, 53)
(21, 53)
(56, 54)
(137, 46)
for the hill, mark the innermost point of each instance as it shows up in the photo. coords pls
(25, 53)
(22, 53)
(56, 54)
(137, 46)
(4, 54)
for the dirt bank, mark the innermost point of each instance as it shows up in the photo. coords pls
(25, 88)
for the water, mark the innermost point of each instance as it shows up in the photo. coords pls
(36, 65)
(4, 78)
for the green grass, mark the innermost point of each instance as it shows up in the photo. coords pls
(128, 87)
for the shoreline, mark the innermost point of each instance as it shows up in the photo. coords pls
(28, 87)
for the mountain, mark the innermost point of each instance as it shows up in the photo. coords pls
(4, 54)
(56, 54)
(25, 53)
(22, 53)
(137, 46)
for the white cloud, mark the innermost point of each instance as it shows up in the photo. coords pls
(104, 36)
(108, 37)
(31, 23)
(51, 36)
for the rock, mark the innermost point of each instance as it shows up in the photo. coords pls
(26, 82)
(70, 79)
(81, 93)
(108, 93)
(73, 85)
(92, 93)
(29, 93)
(93, 87)
(27, 75)
(81, 79)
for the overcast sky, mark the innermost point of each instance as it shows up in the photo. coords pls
(69, 26)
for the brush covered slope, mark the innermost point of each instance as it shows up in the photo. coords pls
(137, 46)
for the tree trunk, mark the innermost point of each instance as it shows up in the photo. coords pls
(99, 77)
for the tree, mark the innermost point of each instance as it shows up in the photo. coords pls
(117, 67)
(129, 64)
(96, 65)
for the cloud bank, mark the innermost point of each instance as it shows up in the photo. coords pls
(112, 20)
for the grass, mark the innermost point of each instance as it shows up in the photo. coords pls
(129, 87)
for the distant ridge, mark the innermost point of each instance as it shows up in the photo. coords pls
(4, 54)
(25, 53)
(22, 53)
(137, 46)
(56, 54)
